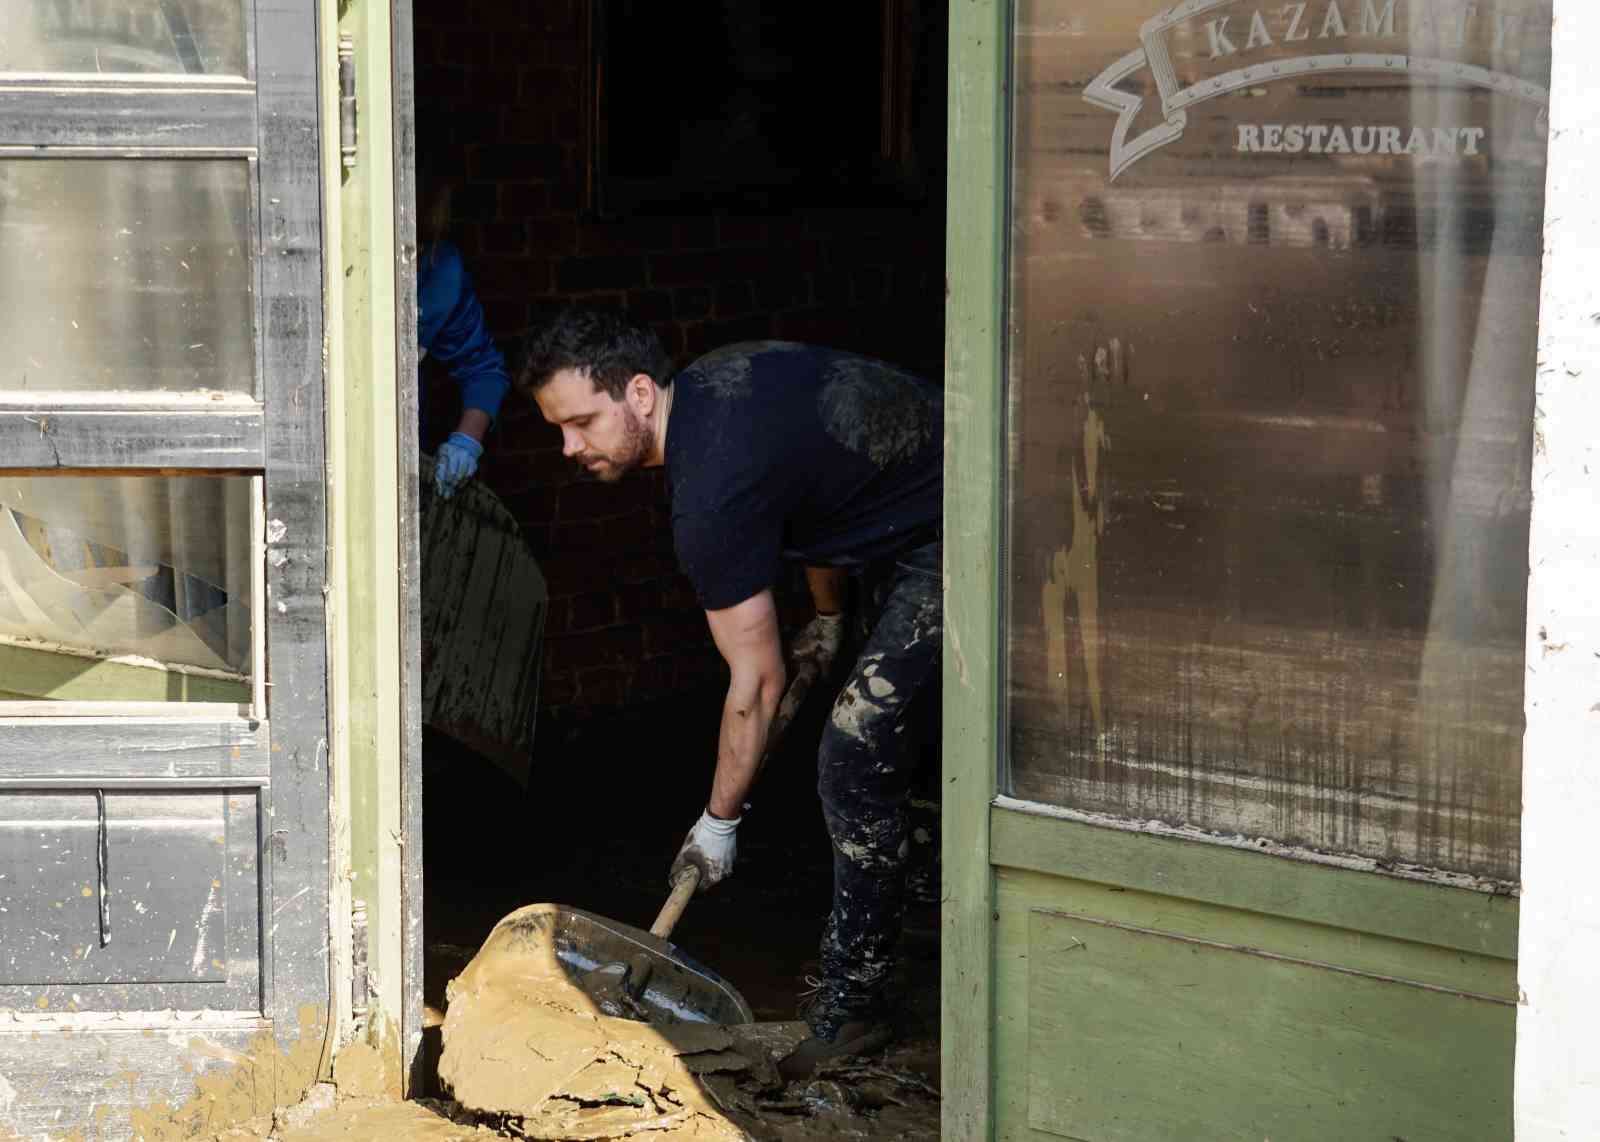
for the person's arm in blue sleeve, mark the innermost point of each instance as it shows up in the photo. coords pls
(452, 329)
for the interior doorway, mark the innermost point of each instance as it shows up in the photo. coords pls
(742, 171)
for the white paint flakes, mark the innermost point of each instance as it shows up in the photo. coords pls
(198, 961)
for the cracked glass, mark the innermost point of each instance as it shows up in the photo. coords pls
(128, 588)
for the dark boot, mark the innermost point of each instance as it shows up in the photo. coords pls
(853, 1039)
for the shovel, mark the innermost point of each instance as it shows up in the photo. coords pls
(617, 986)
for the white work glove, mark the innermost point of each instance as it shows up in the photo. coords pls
(810, 658)
(816, 646)
(709, 847)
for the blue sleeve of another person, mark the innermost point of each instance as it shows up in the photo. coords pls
(450, 327)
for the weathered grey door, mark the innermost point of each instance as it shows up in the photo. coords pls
(163, 792)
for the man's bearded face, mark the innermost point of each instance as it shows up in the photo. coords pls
(605, 435)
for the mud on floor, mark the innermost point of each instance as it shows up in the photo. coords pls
(882, 1097)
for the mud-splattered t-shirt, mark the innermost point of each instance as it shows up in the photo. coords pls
(783, 451)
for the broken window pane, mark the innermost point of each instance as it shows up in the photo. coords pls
(125, 275)
(125, 588)
(110, 36)
(1275, 288)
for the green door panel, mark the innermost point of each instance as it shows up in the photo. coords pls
(1356, 899)
(34, 675)
(1344, 948)
(1138, 1035)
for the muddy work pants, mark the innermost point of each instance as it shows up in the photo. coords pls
(864, 774)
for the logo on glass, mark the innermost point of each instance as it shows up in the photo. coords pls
(1202, 49)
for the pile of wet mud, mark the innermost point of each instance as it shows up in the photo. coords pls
(630, 1089)
(528, 1053)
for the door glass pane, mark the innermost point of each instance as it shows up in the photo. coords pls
(125, 274)
(1275, 280)
(109, 36)
(125, 588)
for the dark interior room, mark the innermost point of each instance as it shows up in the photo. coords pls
(726, 171)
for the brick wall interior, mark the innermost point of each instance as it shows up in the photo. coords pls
(498, 113)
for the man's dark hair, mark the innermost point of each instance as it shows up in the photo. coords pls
(607, 345)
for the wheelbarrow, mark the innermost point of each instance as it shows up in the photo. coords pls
(598, 954)
(531, 1027)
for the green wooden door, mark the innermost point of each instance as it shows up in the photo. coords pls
(1243, 303)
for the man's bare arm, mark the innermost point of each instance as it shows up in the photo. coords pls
(827, 589)
(747, 636)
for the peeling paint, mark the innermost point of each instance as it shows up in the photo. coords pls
(212, 905)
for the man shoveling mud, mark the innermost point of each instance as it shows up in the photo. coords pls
(777, 451)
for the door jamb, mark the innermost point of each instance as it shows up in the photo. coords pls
(372, 621)
(975, 280)
(403, 86)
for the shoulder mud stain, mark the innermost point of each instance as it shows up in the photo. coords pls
(726, 372)
(876, 411)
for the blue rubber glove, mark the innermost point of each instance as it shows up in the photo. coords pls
(454, 464)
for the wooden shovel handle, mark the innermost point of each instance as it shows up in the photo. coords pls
(682, 890)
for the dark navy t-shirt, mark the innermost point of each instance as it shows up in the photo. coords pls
(783, 451)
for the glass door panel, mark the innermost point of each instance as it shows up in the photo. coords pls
(126, 275)
(120, 36)
(126, 588)
(1275, 289)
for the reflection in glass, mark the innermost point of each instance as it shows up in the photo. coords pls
(1271, 400)
(125, 274)
(153, 571)
(111, 36)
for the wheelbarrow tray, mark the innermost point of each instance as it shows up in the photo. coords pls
(681, 990)
(522, 1036)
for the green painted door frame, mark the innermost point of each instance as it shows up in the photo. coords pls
(975, 275)
(371, 359)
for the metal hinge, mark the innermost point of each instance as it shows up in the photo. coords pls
(347, 100)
